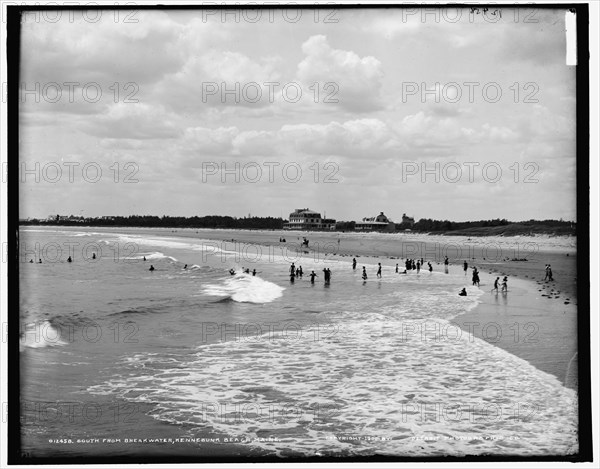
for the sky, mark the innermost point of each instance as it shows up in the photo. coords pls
(444, 114)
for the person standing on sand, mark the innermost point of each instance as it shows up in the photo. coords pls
(505, 284)
(379, 270)
(396, 268)
(547, 267)
(446, 261)
(354, 263)
(465, 267)
(364, 273)
(550, 273)
(430, 267)
(418, 266)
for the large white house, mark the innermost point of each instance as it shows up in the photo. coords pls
(378, 223)
(306, 219)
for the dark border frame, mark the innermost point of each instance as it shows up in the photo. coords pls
(13, 53)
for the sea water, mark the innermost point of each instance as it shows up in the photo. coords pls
(116, 358)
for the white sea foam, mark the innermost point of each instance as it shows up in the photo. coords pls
(245, 288)
(154, 256)
(370, 380)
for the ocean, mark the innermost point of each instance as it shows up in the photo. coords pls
(117, 359)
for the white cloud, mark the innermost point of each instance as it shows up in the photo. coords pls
(358, 79)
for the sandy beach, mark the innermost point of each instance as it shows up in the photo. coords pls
(370, 338)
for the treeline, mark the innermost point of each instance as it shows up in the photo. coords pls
(427, 224)
(491, 227)
(424, 225)
(210, 221)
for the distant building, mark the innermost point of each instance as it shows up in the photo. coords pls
(378, 223)
(306, 219)
(407, 220)
(328, 224)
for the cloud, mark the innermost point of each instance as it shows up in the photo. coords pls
(104, 52)
(358, 79)
(219, 79)
(133, 121)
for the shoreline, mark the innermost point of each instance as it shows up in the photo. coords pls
(473, 232)
(540, 330)
(537, 320)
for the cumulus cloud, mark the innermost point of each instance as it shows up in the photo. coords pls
(358, 79)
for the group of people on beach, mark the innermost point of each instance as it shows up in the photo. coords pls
(409, 264)
(412, 264)
(504, 284)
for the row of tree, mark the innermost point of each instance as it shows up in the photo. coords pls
(269, 223)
